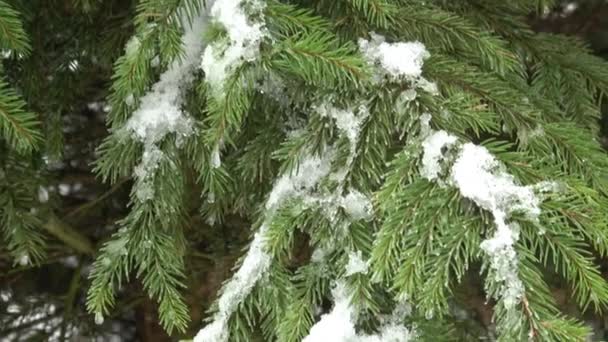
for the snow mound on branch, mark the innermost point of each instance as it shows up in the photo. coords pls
(221, 58)
(347, 121)
(398, 60)
(336, 325)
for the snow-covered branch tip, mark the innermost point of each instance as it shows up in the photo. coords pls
(483, 179)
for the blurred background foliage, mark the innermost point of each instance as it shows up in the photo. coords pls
(65, 80)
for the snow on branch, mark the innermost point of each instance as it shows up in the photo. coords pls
(244, 36)
(257, 260)
(339, 324)
(402, 59)
(398, 61)
(160, 112)
(483, 179)
(301, 183)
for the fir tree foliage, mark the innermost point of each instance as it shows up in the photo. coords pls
(20, 135)
(345, 130)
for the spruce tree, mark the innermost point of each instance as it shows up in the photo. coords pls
(388, 156)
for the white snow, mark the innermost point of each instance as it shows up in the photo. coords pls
(525, 135)
(144, 172)
(347, 122)
(43, 194)
(133, 46)
(99, 318)
(254, 266)
(389, 333)
(407, 96)
(24, 260)
(318, 255)
(64, 189)
(309, 171)
(482, 179)
(5, 295)
(160, 112)
(433, 146)
(397, 60)
(339, 324)
(221, 58)
(130, 100)
(356, 264)
(357, 205)
(428, 86)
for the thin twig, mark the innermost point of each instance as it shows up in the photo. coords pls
(93, 203)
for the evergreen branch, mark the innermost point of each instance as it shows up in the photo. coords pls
(112, 264)
(449, 265)
(451, 33)
(20, 230)
(544, 322)
(116, 158)
(228, 110)
(162, 266)
(507, 98)
(68, 235)
(19, 224)
(12, 34)
(379, 13)
(461, 113)
(311, 287)
(575, 151)
(571, 55)
(320, 60)
(19, 127)
(368, 165)
(289, 20)
(570, 257)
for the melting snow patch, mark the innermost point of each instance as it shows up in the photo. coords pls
(308, 173)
